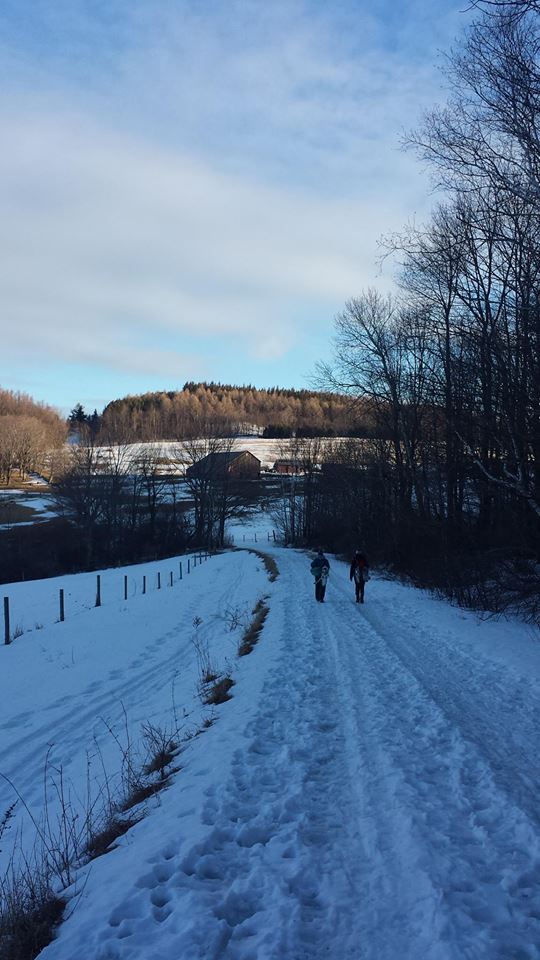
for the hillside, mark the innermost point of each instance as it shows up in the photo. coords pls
(275, 412)
(356, 798)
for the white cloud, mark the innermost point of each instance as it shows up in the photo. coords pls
(105, 240)
(219, 175)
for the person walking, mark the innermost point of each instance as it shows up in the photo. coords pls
(359, 572)
(320, 568)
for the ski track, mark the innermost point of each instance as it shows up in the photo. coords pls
(368, 809)
(70, 728)
(470, 698)
(475, 854)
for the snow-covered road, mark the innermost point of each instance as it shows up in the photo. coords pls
(369, 793)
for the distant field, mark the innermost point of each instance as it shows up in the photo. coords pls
(174, 456)
(31, 504)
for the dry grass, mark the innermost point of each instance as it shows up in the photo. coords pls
(219, 691)
(162, 745)
(30, 907)
(140, 793)
(205, 725)
(29, 910)
(161, 760)
(253, 632)
(102, 842)
(27, 928)
(270, 564)
(209, 676)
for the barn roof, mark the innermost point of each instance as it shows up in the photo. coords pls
(214, 463)
(225, 457)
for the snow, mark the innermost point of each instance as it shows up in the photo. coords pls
(36, 605)
(258, 531)
(39, 503)
(368, 793)
(176, 454)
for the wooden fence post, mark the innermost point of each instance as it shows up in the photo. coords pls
(98, 591)
(159, 580)
(188, 564)
(144, 584)
(125, 586)
(62, 617)
(7, 634)
(171, 579)
(180, 565)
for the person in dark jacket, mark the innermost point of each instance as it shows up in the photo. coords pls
(359, 572)
(320, 569)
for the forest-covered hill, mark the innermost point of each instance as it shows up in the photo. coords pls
(274, 411)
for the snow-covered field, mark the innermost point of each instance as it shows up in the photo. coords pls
(370, 792)
(176, 455)
(174, 459)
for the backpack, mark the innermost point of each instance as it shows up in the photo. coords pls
(361, 572)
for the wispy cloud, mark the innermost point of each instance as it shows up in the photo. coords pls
(214, 174)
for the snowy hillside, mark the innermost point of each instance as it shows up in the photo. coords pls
(369, 792)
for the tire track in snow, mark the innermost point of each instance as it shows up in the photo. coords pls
(59, 729)
(481, 853)
(395, 903)
(69, 729)
(491, 708)
(356, 822)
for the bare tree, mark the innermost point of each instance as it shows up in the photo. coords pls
(26, 442)
(217, 495)
(294, 512)
(79, 492)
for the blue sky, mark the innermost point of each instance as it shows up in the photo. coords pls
(191, 190)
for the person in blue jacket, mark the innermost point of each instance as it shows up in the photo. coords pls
(320, 568)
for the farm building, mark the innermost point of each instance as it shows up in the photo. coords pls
(238, 465)
(287, 467)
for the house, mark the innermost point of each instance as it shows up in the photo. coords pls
(289, 467)
(236, 465)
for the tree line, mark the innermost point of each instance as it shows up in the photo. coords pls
(30, 433)
(167, 415)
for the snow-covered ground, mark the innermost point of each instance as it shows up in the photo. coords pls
(37, 506)
(370, 792)
(177, 455)
(174, 457)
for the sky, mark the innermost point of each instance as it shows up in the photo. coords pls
(191, 190)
